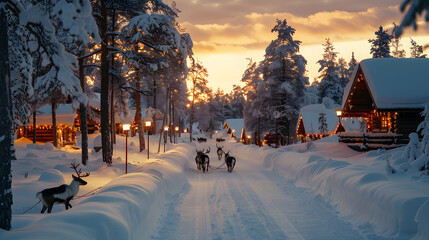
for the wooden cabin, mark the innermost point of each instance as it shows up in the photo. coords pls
(308, 122)
(67, 120)
(390, 93)
(235, 127)
(65, 117)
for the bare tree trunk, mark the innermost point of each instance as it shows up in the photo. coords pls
(34, 124)
(164, 121)
(105, 131)
(139, 115)
(112, 114)
(54, 124)
(83, 118)
(112, 98)
(170, 130)
(5, 130)
(154, 104)
(191, 121)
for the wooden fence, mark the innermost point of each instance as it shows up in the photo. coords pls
(370, 141)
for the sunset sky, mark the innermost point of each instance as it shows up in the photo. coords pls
(226, 32)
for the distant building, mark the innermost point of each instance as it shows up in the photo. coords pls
(308, 122)
(235, 127)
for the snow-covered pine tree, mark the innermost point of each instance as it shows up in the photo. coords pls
(311, 94)
(416, 51)
(283, 70)
(411, 151)
(397, 52)
(380, 46)
(198, 90)
(424, 128)
(323, 125)
(21, 69)
(343, 71)
(208, 112)
(251, 79)
(422, 163)
(237, 101)
(352, 65)
(330, 83)
(153, 45)
(416, 7)
(41, 18)
(395, 44)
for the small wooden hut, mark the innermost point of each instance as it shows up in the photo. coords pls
(309, 126)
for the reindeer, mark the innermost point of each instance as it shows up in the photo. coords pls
(219, 152)
(63, 193)
(202, 160)
(230, 161)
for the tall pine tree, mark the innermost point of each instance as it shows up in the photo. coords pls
(330, 82)
(380, 46)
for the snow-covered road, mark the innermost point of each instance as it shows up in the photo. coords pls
(249, 203)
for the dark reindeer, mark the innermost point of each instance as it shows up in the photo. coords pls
(230, 161)
(63, 193)
(202, 160)
(219, 152)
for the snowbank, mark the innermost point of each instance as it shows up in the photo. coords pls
(125, 208)
(357, 185)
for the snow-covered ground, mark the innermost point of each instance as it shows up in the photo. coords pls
(318, 191)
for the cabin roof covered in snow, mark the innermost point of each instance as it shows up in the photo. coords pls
(237, 124)
(395, 83)
(310, 118)
(65, 114)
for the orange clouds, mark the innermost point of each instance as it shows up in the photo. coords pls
(254, 29)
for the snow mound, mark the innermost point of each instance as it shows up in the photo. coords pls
(47, 146)
(52, 175)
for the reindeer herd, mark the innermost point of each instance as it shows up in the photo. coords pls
(202, 160)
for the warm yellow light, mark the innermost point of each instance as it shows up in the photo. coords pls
(165, 128)
(233, 130)
(176, 128)
(126, 127)
(338, 112)
(185, 131)
(148, 123)
(248, 136)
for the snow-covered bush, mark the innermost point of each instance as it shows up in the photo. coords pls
(411, 152)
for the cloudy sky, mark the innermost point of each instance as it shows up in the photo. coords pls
(227, 32)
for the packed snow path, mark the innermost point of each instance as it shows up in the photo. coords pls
(249, 203)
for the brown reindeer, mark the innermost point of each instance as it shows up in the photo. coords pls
(219, 152)
(202, 160)
(63, 193)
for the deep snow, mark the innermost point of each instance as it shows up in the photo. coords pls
(321, 190)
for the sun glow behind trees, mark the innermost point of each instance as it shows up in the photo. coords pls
(226, 69)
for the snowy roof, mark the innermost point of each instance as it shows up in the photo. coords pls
(236, 124)
(65, 114)
(310, 118)
(395, 83)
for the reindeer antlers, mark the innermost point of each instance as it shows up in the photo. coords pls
(207, 151)
(79, 172)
